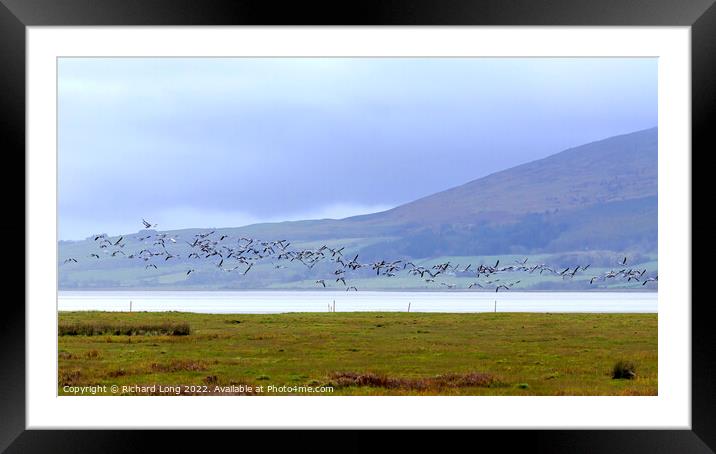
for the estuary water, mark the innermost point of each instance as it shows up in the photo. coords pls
(245, 302)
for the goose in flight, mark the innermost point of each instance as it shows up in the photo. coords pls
(147, 224)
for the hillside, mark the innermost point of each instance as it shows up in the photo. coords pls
(598, 199)
(602, 195)
(612, 170)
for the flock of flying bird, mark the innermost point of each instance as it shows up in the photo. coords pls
(240, 255)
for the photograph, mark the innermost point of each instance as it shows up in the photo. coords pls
(357, 226)
(472, 219)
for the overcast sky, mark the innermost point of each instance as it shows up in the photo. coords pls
(201, 142)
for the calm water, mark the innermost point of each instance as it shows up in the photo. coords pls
(312, 301)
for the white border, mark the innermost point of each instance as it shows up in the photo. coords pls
(670, 409)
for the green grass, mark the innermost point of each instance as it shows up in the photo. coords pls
(369, 353)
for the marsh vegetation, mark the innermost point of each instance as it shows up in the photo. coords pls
(367, 353)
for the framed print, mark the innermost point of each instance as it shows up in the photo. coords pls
(410, 217)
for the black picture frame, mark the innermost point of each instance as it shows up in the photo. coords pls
(16, 15)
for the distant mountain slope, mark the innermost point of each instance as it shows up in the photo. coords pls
(611, 170)
(599, 196)
(616, 169)
(597, 201)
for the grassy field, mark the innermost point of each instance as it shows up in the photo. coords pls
(357, 353)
